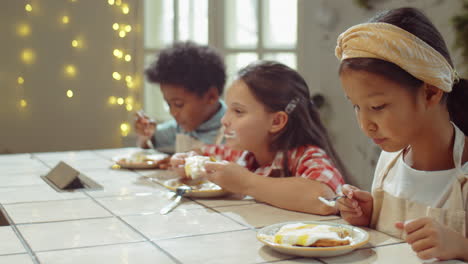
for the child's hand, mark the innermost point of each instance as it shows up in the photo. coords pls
(145, 128)
(356, 208)
(429, 239)
(228, 175)
(177, 162)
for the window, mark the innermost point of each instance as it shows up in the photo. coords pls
(242, 30)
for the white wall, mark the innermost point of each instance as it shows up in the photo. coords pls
(51, 121)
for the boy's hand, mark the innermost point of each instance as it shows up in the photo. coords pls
(356, 208)
(229, 176)
(429, 239)
(145, 128)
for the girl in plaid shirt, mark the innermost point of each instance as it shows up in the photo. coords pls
(272, 128)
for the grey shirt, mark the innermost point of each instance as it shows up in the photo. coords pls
(165, 135)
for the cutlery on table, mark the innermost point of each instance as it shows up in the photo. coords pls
(180, 191)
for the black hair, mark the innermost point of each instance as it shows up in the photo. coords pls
(418, 24)
(275, 85)
(195, 67)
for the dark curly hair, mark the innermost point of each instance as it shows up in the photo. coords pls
(195, 67)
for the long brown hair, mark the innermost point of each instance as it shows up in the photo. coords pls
(415, 22)
(275, 85)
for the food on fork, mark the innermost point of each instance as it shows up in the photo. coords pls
(312, 235)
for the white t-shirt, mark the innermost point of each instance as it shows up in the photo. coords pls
(426, 187)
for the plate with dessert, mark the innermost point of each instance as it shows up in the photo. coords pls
(313, 238)
(195, 171)
(142, 159)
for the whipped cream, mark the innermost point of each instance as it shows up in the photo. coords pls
(195, 166)
(307, 234)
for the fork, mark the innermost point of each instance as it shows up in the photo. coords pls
(141, 114)
(332, 201)
(180, 191)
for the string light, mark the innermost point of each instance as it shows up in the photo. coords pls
(116, 76)
(122, 34)
(120, 101)
(115, 26)
(23, 103)
(69, 93)
(28, 56)
(128, 28)
(124, 129)
(125, 9)
(23, 30)
(128, 78)
(20, 80)
(111, 2)
(118, 2)
(112, 100)
(128, 57)
(129, 107)
(70, 70)
(28, 7)
(74, 43)
(65, 20)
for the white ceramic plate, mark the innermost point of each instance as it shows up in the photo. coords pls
(204, 190)
(266, 236)
(151, 162)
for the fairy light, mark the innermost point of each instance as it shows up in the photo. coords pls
(118, 2)
(122, 34)
(128, 57)
(20, 80)
(128, 78)
(23, 103)
(23, 30)
(118, 53)
(111, 2)
(112, 100)
(115, 26)
(28, 7)
(28, 56)
(124, 129)
(125, 9)
(128, 28)
(69, 93)
(65, 20)
(74, 43)
(129, 107)
(70, 70)
(116, 76)
(120, 101)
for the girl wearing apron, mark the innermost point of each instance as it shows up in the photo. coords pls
(398, 74)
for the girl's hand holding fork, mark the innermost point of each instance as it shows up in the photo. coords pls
(145, 128)
(356, 208)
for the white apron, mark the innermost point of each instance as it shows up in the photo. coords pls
(450, 211)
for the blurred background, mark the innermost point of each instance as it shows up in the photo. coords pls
(71, 71)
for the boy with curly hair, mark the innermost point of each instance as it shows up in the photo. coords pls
(191, 78)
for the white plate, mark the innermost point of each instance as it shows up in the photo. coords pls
(266, 235)
(204, 190)
(152, 161)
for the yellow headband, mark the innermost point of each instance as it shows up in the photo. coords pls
(393, 44)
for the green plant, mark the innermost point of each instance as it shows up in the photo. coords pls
(364, 4)
(460, 24)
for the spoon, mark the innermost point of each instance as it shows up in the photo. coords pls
(180, 191)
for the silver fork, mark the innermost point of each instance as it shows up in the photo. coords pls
(331, 201)
(180, 191)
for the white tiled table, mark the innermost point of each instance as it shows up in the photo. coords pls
(122, 224)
